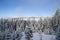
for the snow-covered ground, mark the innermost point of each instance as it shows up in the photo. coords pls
(37, 36)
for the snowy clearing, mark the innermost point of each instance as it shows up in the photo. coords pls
(37, 36)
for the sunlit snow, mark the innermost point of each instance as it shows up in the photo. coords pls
(37, 36)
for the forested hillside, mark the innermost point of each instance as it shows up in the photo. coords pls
(14, 26)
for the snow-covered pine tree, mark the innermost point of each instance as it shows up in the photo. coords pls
(28, 33)
(57, 15)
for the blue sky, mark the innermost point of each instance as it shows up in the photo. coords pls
(11, 8)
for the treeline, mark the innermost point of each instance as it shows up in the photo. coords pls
(47, 25)
(11, 28)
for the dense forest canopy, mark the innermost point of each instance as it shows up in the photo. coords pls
(41, 24)
(14, 26)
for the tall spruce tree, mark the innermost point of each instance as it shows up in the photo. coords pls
(58, 24)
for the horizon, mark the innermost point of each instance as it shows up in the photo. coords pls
(26, 17)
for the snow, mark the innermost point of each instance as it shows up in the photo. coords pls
(37, 36)
(48, 37)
